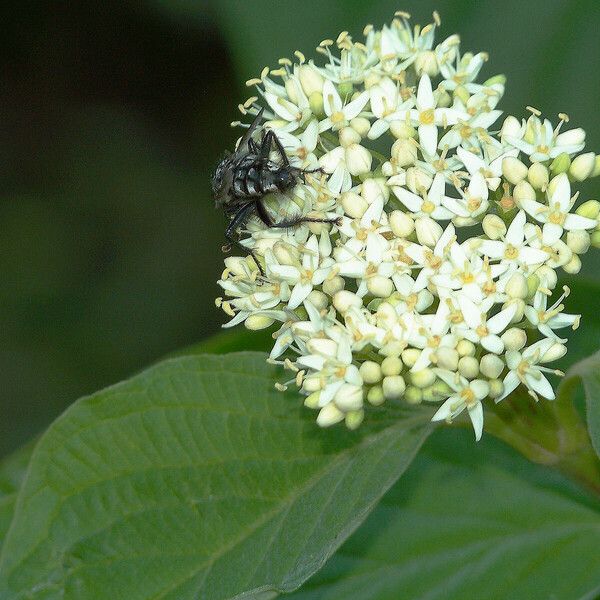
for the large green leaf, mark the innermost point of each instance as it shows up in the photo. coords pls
(468, 522)
(12, 472)
(588, 373)
(195, 479)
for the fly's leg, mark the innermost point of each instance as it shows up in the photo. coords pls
(265, 217)
(239, 219)
(269, 139)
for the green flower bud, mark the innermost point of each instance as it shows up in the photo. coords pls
(370, 371)
(375, 396)
(589, 209)
(393, 387)
(315, 101)
(413, 395)
(391, 365)
(582, 166)
(354, 418)
(560, 164)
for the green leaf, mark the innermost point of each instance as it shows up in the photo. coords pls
(12, 473)
(470, 522)
(586, 372)
(195, 479)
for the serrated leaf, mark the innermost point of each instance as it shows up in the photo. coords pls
(194, 479)
(469, 522)
(586, 372)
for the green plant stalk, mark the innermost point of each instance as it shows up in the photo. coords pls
(550, 433)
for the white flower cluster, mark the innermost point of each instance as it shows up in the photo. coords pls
(437, 284)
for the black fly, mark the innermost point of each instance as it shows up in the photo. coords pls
(242, 180)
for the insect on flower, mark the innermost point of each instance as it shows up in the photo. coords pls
(243, 179)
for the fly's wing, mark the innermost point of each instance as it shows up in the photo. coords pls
(242, 147)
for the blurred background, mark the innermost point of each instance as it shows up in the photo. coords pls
(112, 116)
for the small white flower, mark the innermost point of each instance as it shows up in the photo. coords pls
(338, 113)
(385, 104)
(555, 216)
(467, 394)
(303, 277)
(548, 319)
(525, 368)
(427, 117)
(431, 204)
(490, 170)
(513, 248)
(541, 142)
(480, 329)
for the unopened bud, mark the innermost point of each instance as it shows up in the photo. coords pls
(391, 365)
(423, 379)
(370, 372)
(318, 299)
(402, 130)
(413, 395)
(546, 276)
(401, 224)
(583, 166)
(334, 285)
(589, 209)
(343, 300)
(417, 180)
(496, 388)
(595, 239)
(404, 152)
(465, 348)
(538, 176)
(361, 126)
(348, 136)
(426, 62)
(573, 266)
(310, 79)
(354, 418)
(329, 415)
(257, 322)
(428, 231)
(312, 400)
(286, 254)
(468, 366)
(493, 226)
(410, 357)
(579, 241)
(560, 164)
(375, 396)
(596, 170)
(555, 352)
(374, 188)
(516, 286)
(358, 159)
(514, 338)
(349, 397)
(393, 387)
(523, 191)
(533, 284)
(312, 383)
(511, 127)
(379, 286)
(353, 204)
(447, 358)
(513, 170)
(315, 101)
(491, 366)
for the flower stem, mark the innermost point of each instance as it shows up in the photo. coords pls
(550, 433)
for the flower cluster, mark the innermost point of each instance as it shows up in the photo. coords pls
(438, 282)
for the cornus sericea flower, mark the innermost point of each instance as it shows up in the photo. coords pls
(435, 279)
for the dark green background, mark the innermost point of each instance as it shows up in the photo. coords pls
(112, 116)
